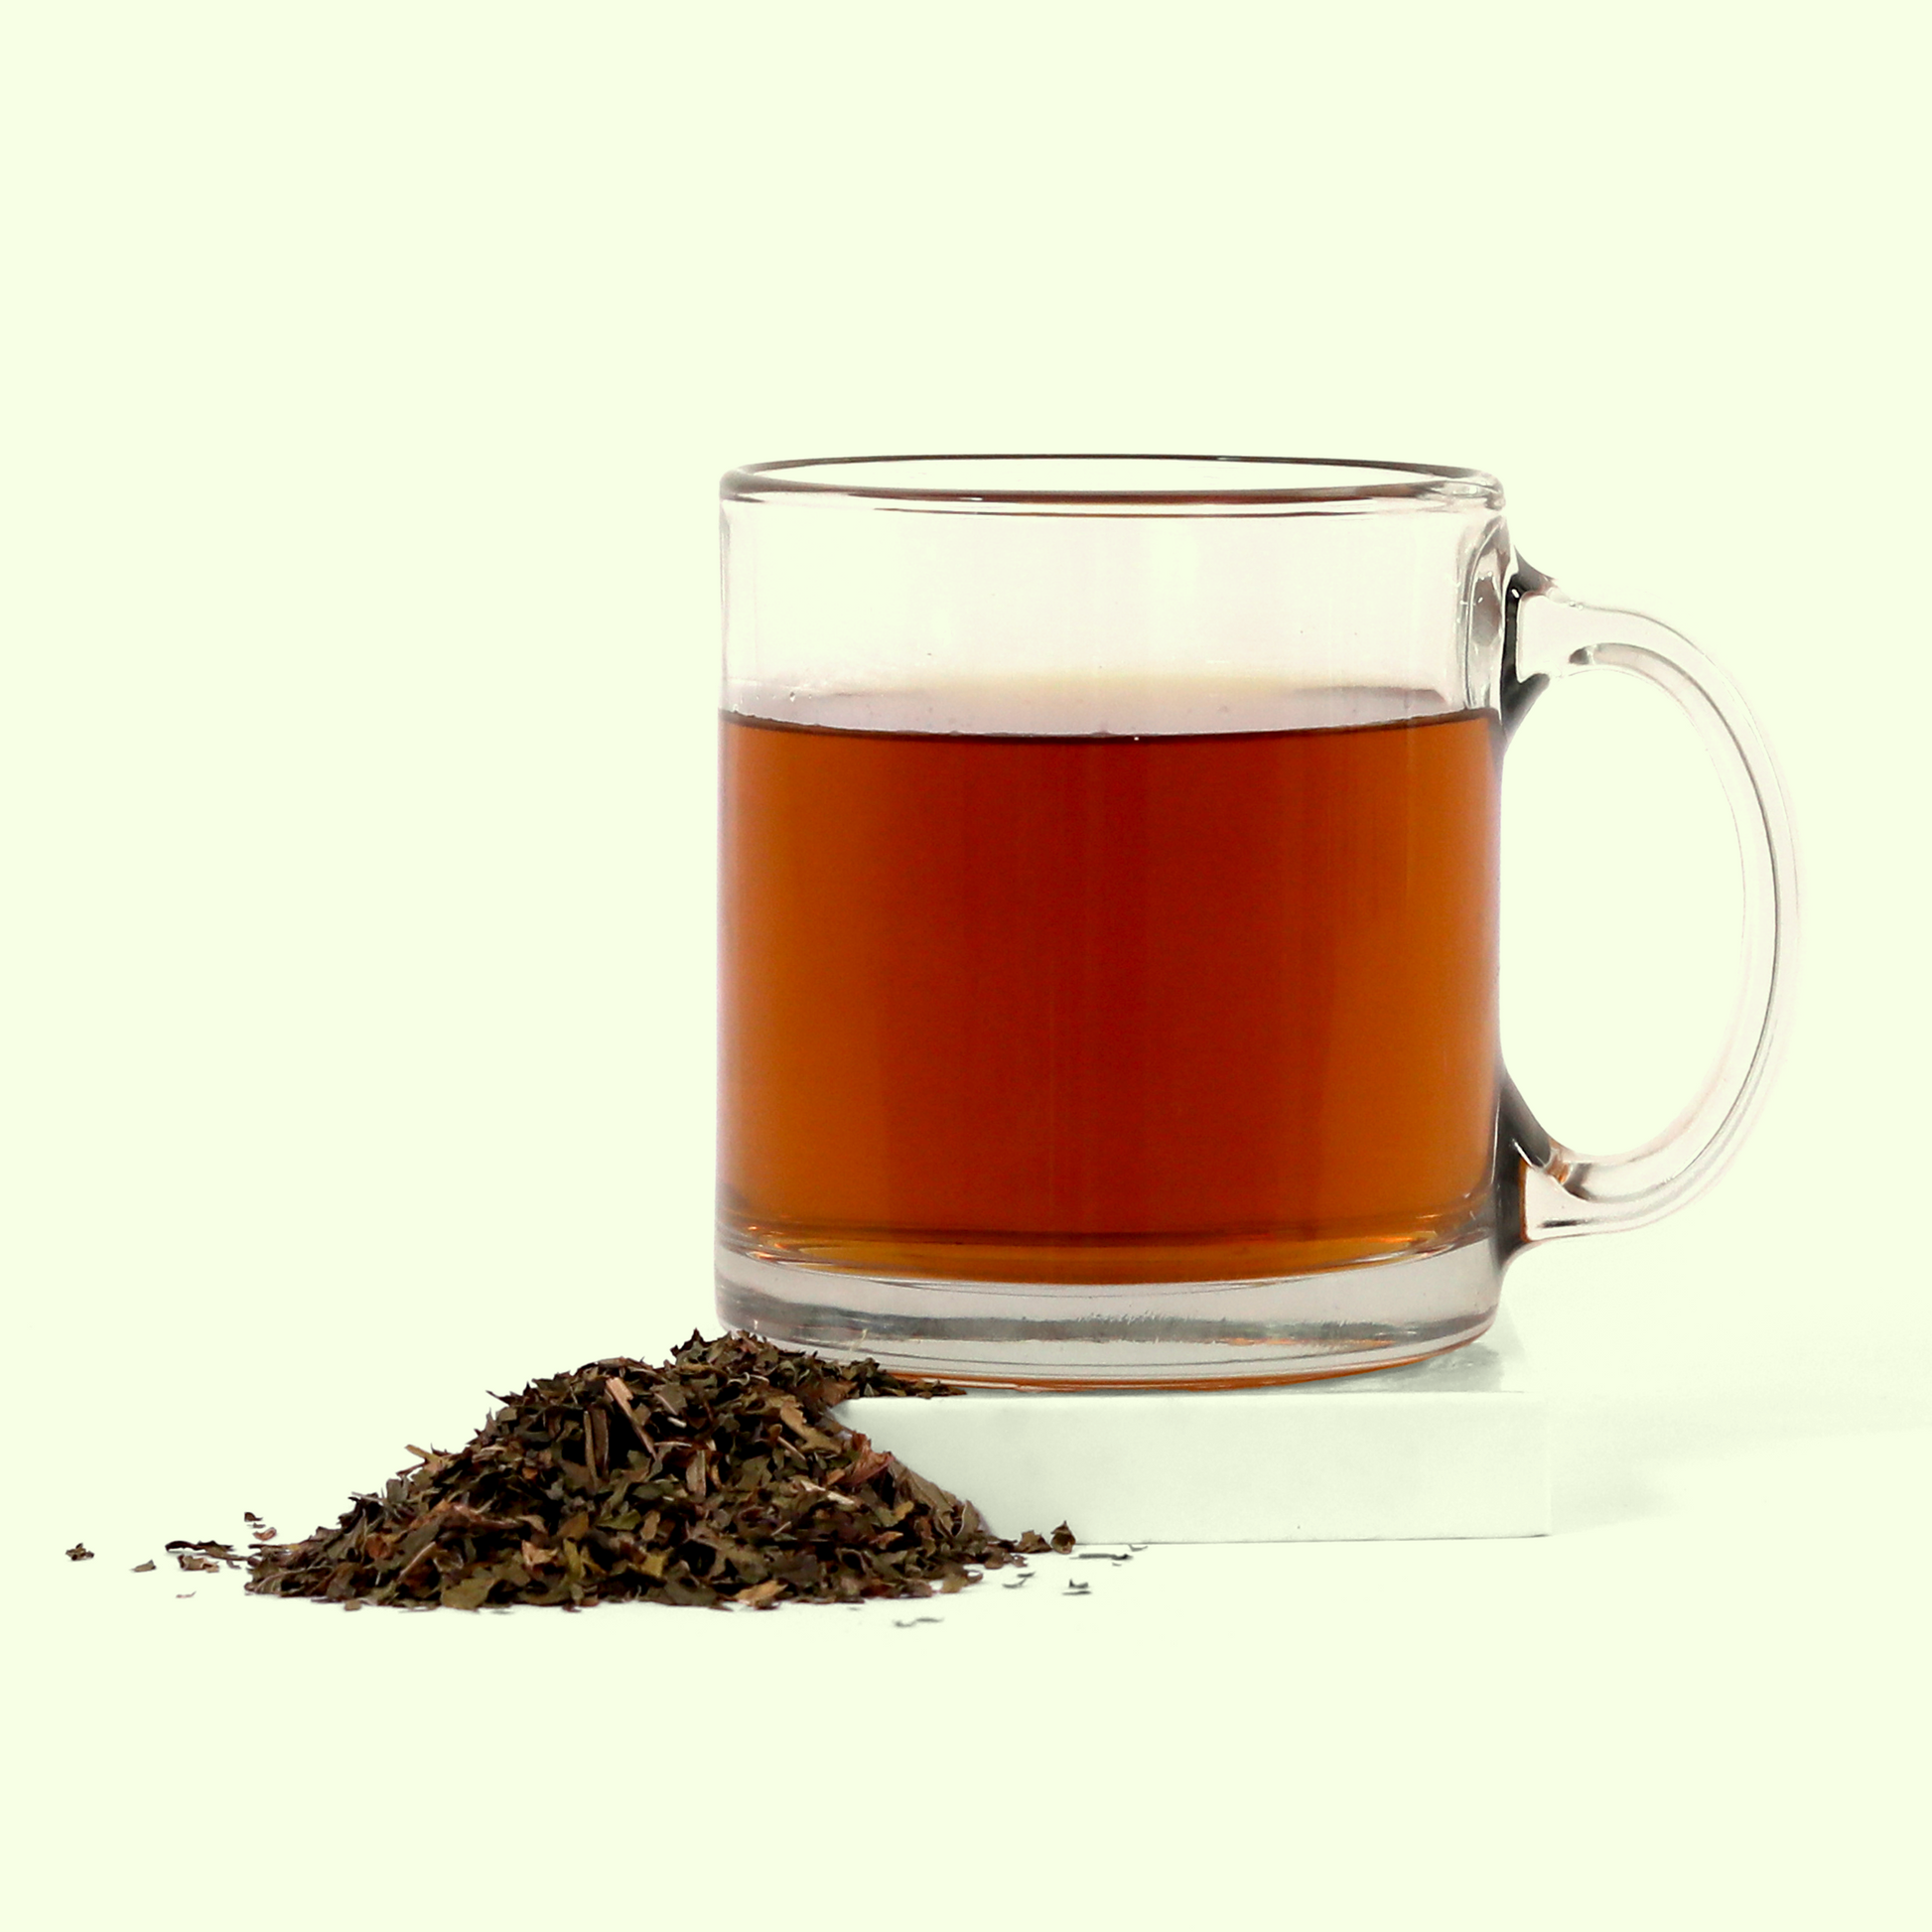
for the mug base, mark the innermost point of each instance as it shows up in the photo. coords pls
(1138, 1335)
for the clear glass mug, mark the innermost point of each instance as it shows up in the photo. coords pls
(1109, 909)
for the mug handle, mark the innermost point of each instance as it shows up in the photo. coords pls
(1548, 636)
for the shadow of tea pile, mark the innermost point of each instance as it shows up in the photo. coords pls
(719, 1478)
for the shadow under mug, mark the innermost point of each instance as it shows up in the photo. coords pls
(1109, 915)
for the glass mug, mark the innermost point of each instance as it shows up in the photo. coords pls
(1109, 915)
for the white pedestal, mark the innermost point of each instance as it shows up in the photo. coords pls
(1456, 1447)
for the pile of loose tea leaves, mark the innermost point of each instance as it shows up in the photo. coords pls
(720, 1478)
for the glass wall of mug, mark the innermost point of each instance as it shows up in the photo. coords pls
(1109, 913)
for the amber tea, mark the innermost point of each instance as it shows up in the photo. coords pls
(1203, 1007)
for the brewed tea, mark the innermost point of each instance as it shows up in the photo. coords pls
(1200, 1006)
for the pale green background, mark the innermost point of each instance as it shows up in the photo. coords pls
(369, 369)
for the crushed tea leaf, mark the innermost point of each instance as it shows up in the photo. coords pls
(206, 1555)
(721, 1479)
(80, 1553)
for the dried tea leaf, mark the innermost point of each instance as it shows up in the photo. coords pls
(205, 1555)
(470, 1594)
(719, 1478)
(80, 1553)
(139, 1567)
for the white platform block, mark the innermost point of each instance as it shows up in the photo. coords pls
(1457, 1447)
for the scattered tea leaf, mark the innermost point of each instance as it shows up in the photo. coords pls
(205, 1555)
(80, 1553)
(139, 1567)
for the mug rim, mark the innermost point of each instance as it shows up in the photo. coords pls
(1386, 482)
